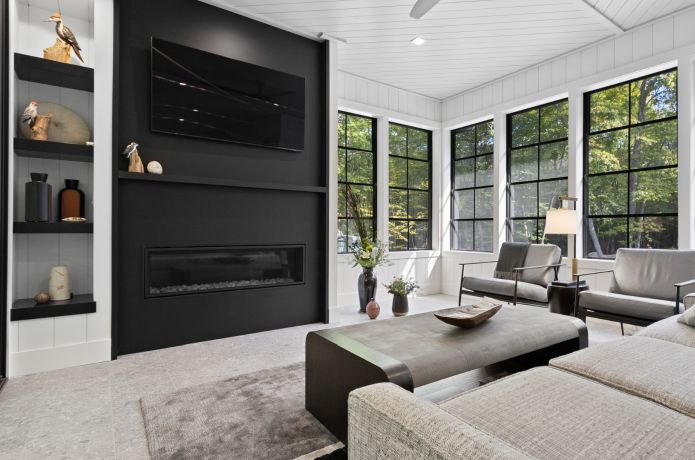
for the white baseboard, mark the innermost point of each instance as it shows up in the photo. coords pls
(49, 359)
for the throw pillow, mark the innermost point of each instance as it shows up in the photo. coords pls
(688, 317)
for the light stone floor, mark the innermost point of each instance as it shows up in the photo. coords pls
(93, 411)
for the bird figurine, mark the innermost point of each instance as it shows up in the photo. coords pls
(65, 34)
(30, 113)
(135, 163)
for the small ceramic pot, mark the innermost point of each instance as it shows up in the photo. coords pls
(373, 309)
(400, 305)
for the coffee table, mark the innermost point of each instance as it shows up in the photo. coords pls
(417, 350)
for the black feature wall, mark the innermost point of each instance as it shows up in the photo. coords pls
(286, 205)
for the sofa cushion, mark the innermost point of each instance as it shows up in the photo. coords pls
(540, 254)
(627, 305)
(497, 286)
(549, 413)
(652, 272)
(647, 367)
(688, 318)
(671, 330)
(386, 421)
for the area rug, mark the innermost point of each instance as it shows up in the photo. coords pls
(254, 416)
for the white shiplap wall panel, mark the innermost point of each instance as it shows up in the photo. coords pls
(371, 93)
(662, 35)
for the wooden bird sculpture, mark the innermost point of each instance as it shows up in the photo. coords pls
(30, 113)
(66, 35)
(135, 163)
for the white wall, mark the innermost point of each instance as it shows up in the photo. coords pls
(50, 343)
(659, 45)
(386, 103)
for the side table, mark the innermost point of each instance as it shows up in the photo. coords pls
(561, 296)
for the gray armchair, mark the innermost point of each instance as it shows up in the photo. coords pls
(529, 282)
(647, 285)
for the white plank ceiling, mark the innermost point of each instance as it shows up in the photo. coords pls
(469, 42)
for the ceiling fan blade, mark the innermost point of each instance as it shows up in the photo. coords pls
(421, 7)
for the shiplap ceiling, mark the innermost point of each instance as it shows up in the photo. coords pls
(469, 42)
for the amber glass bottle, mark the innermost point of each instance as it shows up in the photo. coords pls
(71, 201)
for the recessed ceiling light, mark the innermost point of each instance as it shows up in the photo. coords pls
(418, 41)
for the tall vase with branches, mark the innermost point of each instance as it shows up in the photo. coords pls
(367, 252)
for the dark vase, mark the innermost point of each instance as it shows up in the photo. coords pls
(399, 307)
(366, 288)
(71, 200)
(39, 199)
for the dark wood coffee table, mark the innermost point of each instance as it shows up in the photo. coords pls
(419, 350)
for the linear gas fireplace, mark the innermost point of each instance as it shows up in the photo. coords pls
(196, 270)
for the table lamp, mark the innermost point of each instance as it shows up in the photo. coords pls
(561, 220)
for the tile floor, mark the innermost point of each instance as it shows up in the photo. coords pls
(93, 411)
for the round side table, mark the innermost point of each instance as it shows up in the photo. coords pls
(561, 296)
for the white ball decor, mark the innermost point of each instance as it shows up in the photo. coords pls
(154, 167)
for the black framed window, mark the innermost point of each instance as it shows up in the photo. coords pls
(631, 165)
(472, 187)
(537, 165)
(356, 171)
(410, 175)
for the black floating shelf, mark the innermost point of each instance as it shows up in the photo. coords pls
(219, 182)
(38, 70)
(53, 150)
(28, 309)
(53, 227)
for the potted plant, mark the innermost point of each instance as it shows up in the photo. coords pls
(400, 288)
(366, 252)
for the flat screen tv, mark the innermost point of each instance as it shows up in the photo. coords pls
(199, 94)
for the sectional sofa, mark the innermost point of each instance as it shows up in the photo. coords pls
(630, 398)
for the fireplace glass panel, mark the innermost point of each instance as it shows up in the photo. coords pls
(177, 271)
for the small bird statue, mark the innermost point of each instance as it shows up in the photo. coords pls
(135, 163)
(30, 113)
(65, 34)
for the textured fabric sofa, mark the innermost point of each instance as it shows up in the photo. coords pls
(630, 398)
(530, 281)
(647, 285)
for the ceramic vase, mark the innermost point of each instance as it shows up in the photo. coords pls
(39, 199)
(399, 307)
(366, 287)
(373, 309)
(59, 283)
(71, 200)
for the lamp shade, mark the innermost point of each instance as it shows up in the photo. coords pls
(561, 221)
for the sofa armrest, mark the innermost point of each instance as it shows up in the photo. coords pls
(576, 291)
(386, 421)
(679, 286)
(518, 270)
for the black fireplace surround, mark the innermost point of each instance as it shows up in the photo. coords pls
(232, 238)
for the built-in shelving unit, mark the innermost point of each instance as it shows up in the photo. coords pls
(30, 148)
(53, 227)
(38, 70)
(218, 182)
(38, 246)
(28, 309)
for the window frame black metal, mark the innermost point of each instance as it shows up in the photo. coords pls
(408, 220)
(537, 181)
(373, 151)
(586, 132)
(475, 186)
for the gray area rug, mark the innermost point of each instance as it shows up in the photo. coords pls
(254, 416)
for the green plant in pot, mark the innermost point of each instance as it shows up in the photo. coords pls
(367, 253)
(400, 288)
